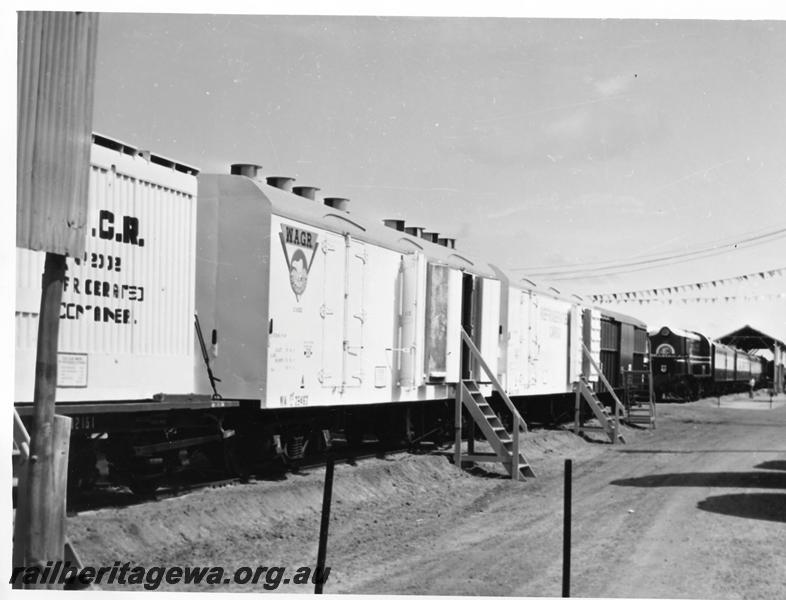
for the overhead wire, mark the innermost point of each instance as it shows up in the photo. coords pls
(580, 270)
(651, 264)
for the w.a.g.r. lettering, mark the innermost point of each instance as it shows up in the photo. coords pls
(298, 237)
(296, 244)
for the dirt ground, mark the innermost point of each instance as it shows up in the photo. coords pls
(693, 509)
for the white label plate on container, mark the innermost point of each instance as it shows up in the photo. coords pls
(71, 370)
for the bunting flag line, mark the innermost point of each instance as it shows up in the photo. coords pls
(697, 299)
(659, 294)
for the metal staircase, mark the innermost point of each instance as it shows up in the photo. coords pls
(608, 421)
(639, 398)
(504, 443)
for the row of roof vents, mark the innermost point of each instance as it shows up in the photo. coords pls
(287, 184)
(429, 236)
(310, 193)
(118, 146)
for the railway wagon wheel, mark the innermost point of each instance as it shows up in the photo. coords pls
(83, 473)
(237, 453)
(139, 474)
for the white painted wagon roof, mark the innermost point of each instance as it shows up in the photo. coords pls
(110, 142)
(315, 213)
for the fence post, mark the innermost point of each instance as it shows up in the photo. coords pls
(616, 422)
(457, 427)
(566, 530)
(323, 529)
(577, 409)
(515, 457)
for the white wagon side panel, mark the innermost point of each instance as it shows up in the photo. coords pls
(518, 341)
(126, 329)
(489, 327)
(552, 375)
(346, 321)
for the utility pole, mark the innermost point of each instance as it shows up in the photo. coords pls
(55, 82)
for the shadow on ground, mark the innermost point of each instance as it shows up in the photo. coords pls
(766, 507)
(723, 479)
(776, 465)
(713, 451)
(478, 471)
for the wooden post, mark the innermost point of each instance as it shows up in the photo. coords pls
(566, 525)
(616, 422)
(323, 529)
(577, 410)
(653, 404)
(44, 513)
(515, 474)
(457, 427)
(60, 447)
(471, 437)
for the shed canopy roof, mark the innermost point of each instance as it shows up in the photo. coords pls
(747, 338)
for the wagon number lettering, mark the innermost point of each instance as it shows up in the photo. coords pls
(83, 422)
(96, 260)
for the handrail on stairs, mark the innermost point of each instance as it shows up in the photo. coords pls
(22, 443)
(473, 349)
(21, 437)
(644, 382)
(618, 406)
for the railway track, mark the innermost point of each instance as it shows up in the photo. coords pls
(110, 496)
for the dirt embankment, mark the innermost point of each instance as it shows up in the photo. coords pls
(696, 508)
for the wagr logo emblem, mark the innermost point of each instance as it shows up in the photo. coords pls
(299, 263)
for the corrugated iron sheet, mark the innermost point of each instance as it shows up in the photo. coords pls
(56, 71)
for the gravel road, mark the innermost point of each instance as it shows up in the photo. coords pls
(693, 509)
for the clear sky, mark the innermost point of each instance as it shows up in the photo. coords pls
(536, 142)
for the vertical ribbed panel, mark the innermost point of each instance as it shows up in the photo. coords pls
(161, 324)
(56, 66)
